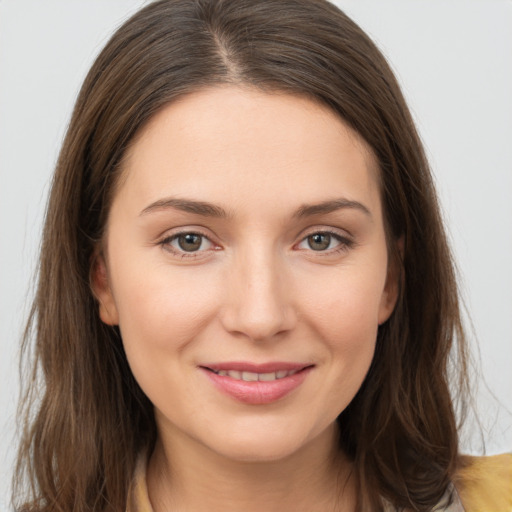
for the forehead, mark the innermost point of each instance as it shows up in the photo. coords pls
(219, 140)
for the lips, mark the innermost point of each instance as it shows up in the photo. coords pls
(256, 384)
(253, 376)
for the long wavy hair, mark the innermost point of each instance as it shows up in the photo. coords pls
(85, 417)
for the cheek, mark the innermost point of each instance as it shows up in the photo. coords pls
(161, 311)
(346, 308)
(350, 333)
(345, 317)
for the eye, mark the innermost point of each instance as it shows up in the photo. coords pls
(188, 242)
(324, 241)
(319, 241)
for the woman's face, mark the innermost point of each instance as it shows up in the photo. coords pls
(245, 263)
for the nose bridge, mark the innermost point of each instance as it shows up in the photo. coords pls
(259, 303)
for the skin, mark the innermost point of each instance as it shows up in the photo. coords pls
(255, 290)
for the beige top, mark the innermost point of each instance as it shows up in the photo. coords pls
(484, 483)
(138, 497)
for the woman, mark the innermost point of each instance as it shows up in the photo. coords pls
(246, 298)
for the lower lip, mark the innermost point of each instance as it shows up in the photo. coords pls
(257, 392)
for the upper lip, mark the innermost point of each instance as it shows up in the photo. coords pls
(269, 367)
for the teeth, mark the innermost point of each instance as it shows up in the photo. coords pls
(253, 377)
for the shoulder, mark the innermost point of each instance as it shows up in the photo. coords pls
(484, 484)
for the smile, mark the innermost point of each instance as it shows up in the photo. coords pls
(253, 377)
(256, 384)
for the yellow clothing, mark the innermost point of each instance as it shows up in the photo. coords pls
(484, 484)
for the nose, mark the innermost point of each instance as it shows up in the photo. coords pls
(258, 298)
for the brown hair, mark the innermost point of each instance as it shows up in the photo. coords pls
(79, 447)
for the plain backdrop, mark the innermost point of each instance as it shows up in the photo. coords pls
(454, 60)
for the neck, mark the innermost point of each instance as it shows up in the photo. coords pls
(186, 476)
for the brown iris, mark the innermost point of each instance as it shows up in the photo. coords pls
(190, 242)
(319, 241)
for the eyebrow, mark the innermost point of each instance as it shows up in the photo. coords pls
(333, 205)
(186, 205)
(206, 209)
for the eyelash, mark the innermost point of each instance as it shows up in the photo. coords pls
(344, 244)
(167, 241)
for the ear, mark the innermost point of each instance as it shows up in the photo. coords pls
(393, 282)
(101, 289)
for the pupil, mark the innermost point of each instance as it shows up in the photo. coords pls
(189, 242)
(319, 241)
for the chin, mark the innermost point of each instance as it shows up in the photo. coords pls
(264, 451)
(265, 445)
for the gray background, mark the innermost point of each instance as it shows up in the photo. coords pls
(454, 60)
